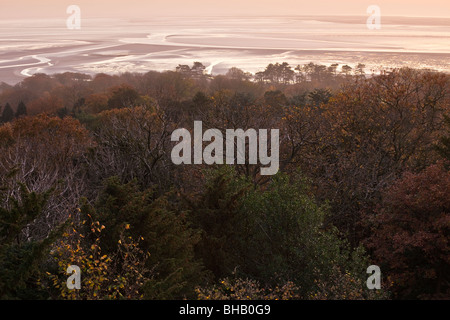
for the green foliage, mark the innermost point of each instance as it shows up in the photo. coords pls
(20, 212)
(215, 211)
(272, 235)
(288, 239)
(20, 259)
(166, 236)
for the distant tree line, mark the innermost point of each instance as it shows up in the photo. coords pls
(283, 73)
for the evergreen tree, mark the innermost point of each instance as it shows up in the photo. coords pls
(273, 234)
(215, 211)
(7, 114)
(21, 110)
(164, 233)
(21, 259)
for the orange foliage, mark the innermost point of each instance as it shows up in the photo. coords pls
(46, 103)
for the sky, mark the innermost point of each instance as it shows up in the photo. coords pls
(45, 9)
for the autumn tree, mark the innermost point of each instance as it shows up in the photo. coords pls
(123, 97)
(38, 83)
(116, 274)
(169, 89)
(45, 152)
(275, 98)
(410, 234)
(443, 146)
(319, 96)
(46, 103)
(102, 82)
(133, 143)
(228, 110)
(365, 137)
(237, 74)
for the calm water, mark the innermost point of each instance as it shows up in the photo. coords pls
(112, 46)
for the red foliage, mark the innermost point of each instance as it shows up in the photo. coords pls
(411, 238)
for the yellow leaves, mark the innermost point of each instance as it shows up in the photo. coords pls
(100, 277)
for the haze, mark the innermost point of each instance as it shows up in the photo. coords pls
(24, 9)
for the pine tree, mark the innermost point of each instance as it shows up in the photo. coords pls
(20, 260)
(165, 235)
(21, 110)
(215, 212)
(8, 114)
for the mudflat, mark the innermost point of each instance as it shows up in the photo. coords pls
(117, 46)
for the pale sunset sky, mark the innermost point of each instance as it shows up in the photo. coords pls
(26, 9)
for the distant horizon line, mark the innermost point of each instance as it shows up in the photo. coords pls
(231, 16)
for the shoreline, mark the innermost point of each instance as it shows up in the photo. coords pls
(139, 58)
(221, 43)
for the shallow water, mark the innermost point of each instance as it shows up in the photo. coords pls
(250, 43)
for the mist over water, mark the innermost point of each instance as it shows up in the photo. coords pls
(250, 43)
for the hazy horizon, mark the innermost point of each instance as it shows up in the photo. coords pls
(13, 9)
